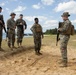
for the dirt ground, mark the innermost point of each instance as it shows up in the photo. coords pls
(23, 61)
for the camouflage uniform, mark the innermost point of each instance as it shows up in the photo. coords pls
(11, 32)
(64, 40)
(1, 28)
(37, 37)
(20, 29)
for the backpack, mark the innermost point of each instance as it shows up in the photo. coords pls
(72, 30)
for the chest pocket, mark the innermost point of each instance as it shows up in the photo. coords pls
(20, 22)
(38, 28)
(12, 23)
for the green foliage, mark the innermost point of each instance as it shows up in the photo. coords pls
(51, 31)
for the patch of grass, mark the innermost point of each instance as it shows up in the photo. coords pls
(48, 40)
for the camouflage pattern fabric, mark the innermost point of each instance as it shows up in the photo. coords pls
(37, 41)
(20, 29)
(64, 40)
(37, 37)
(11, 38)
(63, 46)
(0, 37)
(11, 31)
(1, 28)
(20, 35)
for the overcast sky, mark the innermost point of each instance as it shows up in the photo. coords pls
(48, 11)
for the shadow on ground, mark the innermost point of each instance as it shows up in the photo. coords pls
(6, 54)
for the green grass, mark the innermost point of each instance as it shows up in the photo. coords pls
(48, 40)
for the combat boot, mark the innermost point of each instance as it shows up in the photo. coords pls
(9, 45)
(36, 52)
(39, 52)
(63, 63)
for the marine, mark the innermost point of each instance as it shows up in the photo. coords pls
(2, 25)
(65, 33)
(11, 31)
(38, 35)
(21, 26)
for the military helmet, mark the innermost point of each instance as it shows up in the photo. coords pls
(12, 14)
(65, 14)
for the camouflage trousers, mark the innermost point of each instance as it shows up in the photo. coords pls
(11, 37)
(63, 46)
(0, 37)
(19, 36)
(37, 42)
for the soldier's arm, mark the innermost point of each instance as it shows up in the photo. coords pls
(42, 32)
(65, 27)
(33, 29)
(25, 25)
(16, 22)
(3, 21)
(4, 25)
(9, 24)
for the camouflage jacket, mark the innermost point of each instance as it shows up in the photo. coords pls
(65, 27)
(3, 23)
(11, 25)
(20, 23)
(33, 29)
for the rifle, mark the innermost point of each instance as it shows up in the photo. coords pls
(1, 18)
(59, 26)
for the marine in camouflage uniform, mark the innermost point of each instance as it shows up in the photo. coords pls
(2, 25)
(20, 23)
(37, 33)
(11, 30)
(65, 36)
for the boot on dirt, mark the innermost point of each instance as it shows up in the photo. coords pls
(63, 63)
(9, 45)
(39, 53)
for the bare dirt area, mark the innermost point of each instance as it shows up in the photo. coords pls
(23, 61)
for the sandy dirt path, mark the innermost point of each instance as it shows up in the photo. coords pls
(23, 61)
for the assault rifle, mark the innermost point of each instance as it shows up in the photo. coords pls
(59, 26)
(1, 18)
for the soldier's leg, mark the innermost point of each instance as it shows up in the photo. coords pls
(9, 39)
(13, 40)
(0, 38)
(21, 38)
(36, 45)
(18, 38)
(39, 47)
(63, 48)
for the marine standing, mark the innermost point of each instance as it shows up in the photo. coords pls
(65, 36)
(37, 34)
(11, 30)
(21, 26)
(2, 25)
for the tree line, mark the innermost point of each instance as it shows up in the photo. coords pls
(53, 31)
